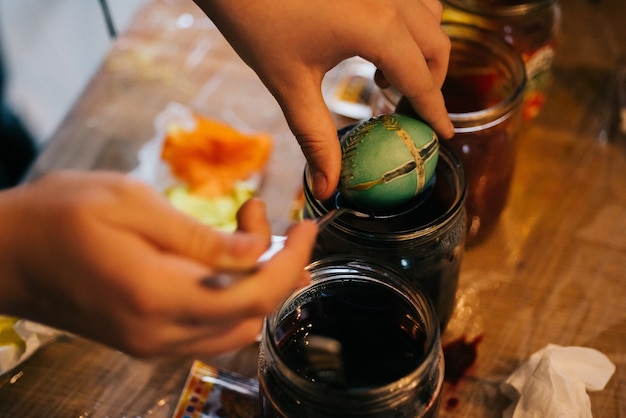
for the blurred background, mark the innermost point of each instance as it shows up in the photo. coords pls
(50, 50)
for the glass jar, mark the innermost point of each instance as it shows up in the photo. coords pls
(484, 91)
(356, 342)
(530, 26)
(425, 243)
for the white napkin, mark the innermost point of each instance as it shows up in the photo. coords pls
(554, 383)
(151, 168)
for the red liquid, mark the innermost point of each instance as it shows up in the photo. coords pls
(488, 159)
(488, 155)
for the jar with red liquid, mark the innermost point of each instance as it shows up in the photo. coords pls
(484, 91)
(530, 26)
(356, 342)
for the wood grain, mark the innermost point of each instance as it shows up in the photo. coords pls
(554, 271)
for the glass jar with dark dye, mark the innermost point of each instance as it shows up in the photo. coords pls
(356, 342)
(531, 27)
(426, 243)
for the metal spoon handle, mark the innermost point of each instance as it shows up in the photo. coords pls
(224, 279)
(335, 213)
(328, 217)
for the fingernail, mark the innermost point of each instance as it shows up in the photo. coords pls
(449, 130)
(319, 183)
(226, 278)
(221, 280)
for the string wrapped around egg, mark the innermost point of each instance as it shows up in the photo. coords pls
(387, 161)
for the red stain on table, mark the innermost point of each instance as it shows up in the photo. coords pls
(459, 356)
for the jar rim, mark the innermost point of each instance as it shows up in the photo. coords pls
(521, 9)
(338, 269)
(479, 120)
(446, 156)
(512, 60)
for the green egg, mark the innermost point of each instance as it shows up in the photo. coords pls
(387, 161)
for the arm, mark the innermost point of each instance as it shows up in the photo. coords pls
(292, 44)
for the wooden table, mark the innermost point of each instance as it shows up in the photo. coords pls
(553, 272)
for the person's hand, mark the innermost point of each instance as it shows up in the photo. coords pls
(106, 257)
(292, 44)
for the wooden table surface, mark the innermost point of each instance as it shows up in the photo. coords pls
(554, 271)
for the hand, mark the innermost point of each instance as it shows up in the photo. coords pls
(292, 44)
(106, 257)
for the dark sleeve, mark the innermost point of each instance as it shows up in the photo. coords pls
(17, 147)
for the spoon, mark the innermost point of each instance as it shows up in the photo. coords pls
(337, 212)
(226, 278)
(342, 207)
(325, 362)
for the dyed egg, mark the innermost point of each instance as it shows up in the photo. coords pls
(387, 161)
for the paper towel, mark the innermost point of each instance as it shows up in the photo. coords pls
(554, 383)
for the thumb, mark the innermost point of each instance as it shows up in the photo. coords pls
(312, 124)
(177, 234)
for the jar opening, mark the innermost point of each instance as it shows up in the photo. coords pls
(438, 210)
(486, 78)
(388, 333)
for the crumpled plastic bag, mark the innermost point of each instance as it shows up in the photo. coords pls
(20, 338)
(554, 383)
(151, 169)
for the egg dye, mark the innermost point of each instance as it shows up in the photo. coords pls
(386, 161)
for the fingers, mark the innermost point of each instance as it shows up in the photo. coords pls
(212, 337)
(194, 340)
(176, 233)
(240, 335)
(312, 124)
(423, 20)
(205, 320)
(433, 43)
(423, 94)
(189, 251)
(416, 84)
(283, 273)
(252, 218)
(253, 295)
(425, 49)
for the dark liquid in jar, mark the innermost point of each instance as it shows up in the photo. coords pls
(488, 155)
(529, 26)
(432, 264)
(380, 342)
(439, 200)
